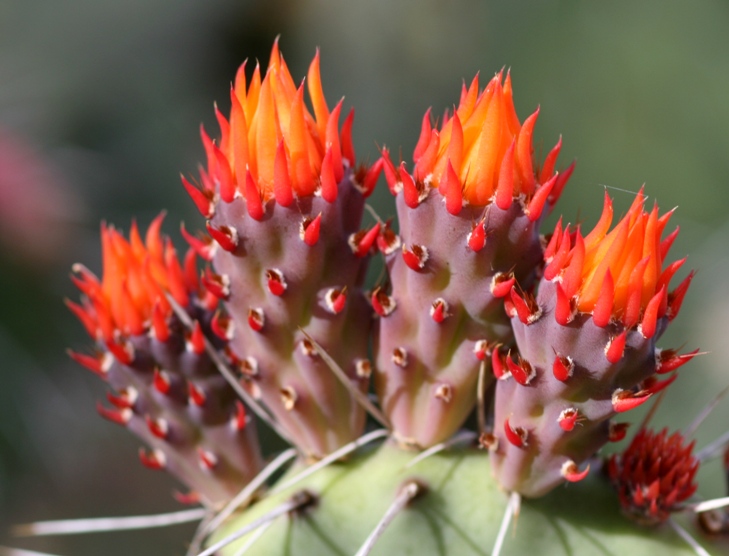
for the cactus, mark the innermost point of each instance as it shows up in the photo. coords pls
(165, 388)
(469, 217)
(541, 341)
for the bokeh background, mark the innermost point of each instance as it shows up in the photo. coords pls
(100, 104)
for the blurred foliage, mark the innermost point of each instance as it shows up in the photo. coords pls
(110, 96)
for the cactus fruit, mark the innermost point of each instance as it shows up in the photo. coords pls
(469, 218)
(166, 390)
(284, 205)
(552, 336)
(587, 348)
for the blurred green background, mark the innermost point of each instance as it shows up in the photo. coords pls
(100, 104)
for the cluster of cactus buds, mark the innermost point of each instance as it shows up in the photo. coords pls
(556, 336)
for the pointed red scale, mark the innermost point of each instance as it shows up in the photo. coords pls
(631, 314)
(328, 179)
(668, 360)
(256, 319)
(572, 275)
(87, 320)
(563, 312)
(196, 395)
(152, 460)
(282, 189)
(216, 284)
(208, 145)
(516, 436)
(602, 311)
(616, 347)
(653, 386)
(562, 368)
(332, 141)
(208, 460)
(197, 339)
(617, 431)
(312, 230)
(668, 273)
(571, 472)
(477, 237)
(390, 172)
(501, 284)
(190, 272)
(505, 186)
(568, 419)
(409, 190)
(85, 281)
(522, 371)
(439, 310)
(225, 176)
(160, 328)
(175, 275)
(191, 498)
(124, 352)
(666, 244)
(426, 162)
(650, 315)
(224, 127)
(387, 240)
(453, 191)
(161, 381)
(253, 198)
(276, 282)
(239, 420)
(555, 266)
(536, 205)
(201, 199)
(201, 247)
(222, 326)
(226, 236)
(625, 401)
(562, 179)
(346, 137)
(91, 362)
(549, 162)
(365, 244)
(554, 242)
(120, 402)
(497, 364)
(371, 176)
(158, 427)
(415, 257)
(336, 300)
(120, 417)
(675, 298)
(424, 139)
(382, 303)
(522, 309)
(524, 154)
(481, 349)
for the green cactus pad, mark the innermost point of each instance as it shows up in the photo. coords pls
(459, 514)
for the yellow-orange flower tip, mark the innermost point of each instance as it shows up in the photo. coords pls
(271, 148)
(480, 155)
(130, 298)
(618, 274)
